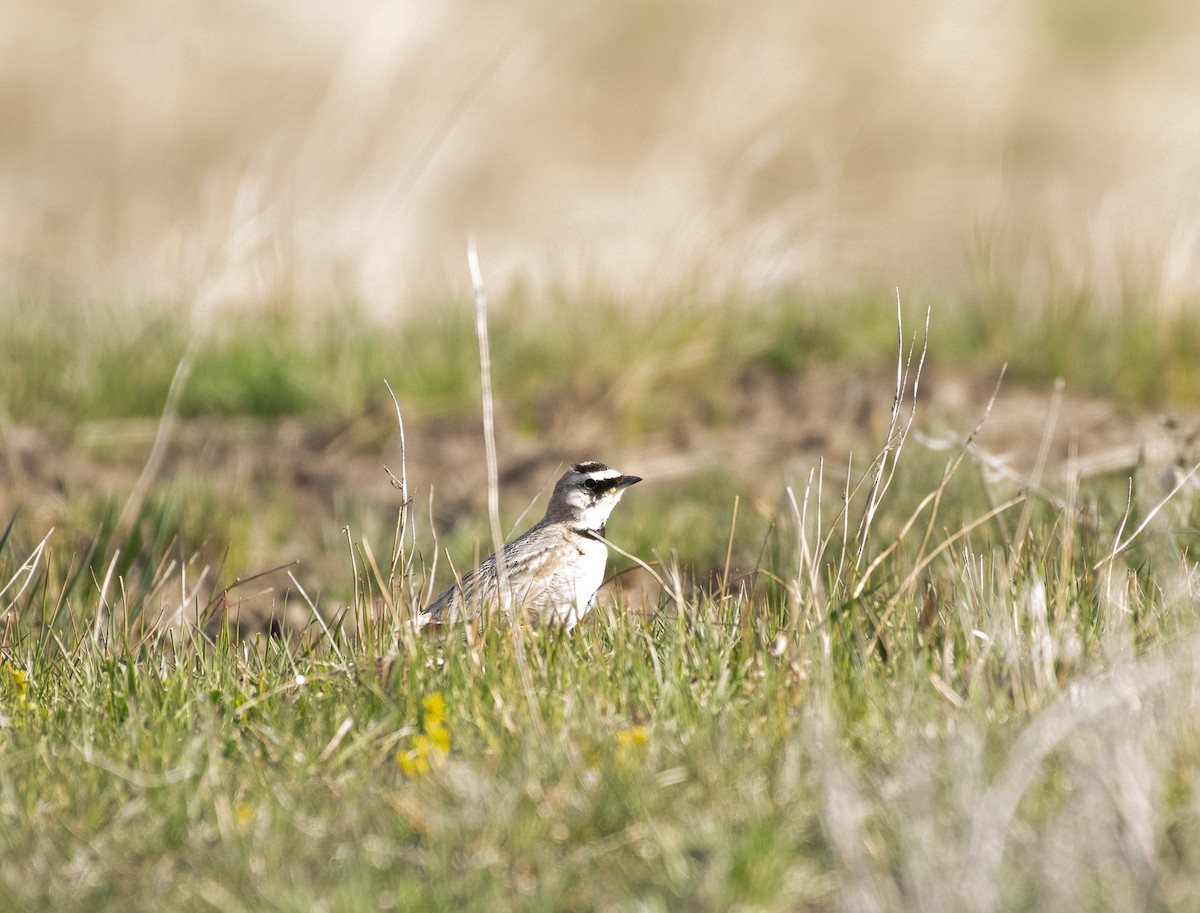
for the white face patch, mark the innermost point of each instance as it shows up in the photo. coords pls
(591, 511)
(589, 496)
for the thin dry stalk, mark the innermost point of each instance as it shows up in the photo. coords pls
(220, 600)
(27, 568)
(503, 591)
(1067, 544)
(333, 644)
(137, 496)
(359, 608)
(1120, 546)
(177, 621)
(402, 518)
(804, 555)
(102, 606)
(674, 591)
(934, 497)
(729, 547)
(372, 565)
(842, 517)
(808, 558)
(927, 560)
(897, 434)
(992, 467)
(489, 425)
(433, 567)
(1116, 540)
(537, 496)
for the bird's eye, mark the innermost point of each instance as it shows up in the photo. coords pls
(591, 484)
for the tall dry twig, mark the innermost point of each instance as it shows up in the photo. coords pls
(137, 497)
(489, 439)
(489, 423)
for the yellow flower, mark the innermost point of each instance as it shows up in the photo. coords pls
(20, 680)
(243, 813)
(413, 763)
(434, 706)
(632, 737)
(428, 748)
(438, 735)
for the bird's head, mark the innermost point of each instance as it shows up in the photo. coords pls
(586, 495)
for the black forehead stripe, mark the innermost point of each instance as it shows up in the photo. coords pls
(591, 466)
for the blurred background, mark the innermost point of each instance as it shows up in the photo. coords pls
(216, 154)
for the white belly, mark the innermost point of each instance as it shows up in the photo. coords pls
(589, 574)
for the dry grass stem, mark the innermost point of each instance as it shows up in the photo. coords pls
(137, 496)
(489, 422)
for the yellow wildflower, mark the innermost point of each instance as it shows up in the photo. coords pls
(413, 763)
(428, 748)
(434, 706)
(20, 680)
(634, 736)
(438, 735)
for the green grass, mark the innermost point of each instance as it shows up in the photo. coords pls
(979, 712)
(998, 725)
(657, 368)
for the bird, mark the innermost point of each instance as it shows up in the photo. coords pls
(554, 569)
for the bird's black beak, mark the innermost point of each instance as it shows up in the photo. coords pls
(626, 481)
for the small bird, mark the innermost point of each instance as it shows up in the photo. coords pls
(553, 570)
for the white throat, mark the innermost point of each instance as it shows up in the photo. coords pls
(592, 517)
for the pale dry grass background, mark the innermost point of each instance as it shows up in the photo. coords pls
(244, 153)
